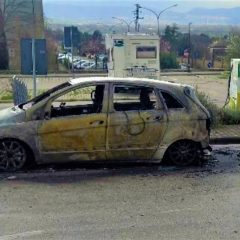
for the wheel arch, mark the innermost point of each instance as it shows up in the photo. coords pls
(165, 155)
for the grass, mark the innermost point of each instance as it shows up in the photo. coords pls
(224, 75)
(6, 96)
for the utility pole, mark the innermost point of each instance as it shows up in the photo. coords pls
(137, 17)
(33, 51)
(72, 48)
(189, 46)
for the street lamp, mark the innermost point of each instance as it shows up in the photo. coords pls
(124, 21)
(159, 14)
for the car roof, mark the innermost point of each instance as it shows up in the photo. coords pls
(144, 81)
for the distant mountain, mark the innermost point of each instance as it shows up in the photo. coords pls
(85, 12)
(96, 12)
(229, 16)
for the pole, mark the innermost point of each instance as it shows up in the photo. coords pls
(72, 50)
(137, 17)
(158, 14)
(124, 21)
(158, 25)
(34, 53)
(189, 46)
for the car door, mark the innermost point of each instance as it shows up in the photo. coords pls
(76, 128)
(136, 122)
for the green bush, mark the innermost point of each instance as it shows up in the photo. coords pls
(230, 117)
(7, 96)
(213, 109)
(220, 116)
(168, 61)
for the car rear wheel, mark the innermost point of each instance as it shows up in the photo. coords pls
(13, 155)
(183, 153)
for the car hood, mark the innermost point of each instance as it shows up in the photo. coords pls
(12, 115)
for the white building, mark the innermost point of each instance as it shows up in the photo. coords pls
(133, 55)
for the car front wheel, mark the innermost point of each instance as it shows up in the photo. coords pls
(13, 155)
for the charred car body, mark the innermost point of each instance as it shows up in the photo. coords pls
(105, 119)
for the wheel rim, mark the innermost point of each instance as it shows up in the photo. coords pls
(12, 155)
(183, 153)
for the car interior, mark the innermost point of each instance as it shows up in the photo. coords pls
(129, 99)
(88, 102)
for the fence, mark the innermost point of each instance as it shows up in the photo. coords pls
(19, 91)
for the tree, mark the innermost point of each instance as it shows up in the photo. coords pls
(233, 48)
(172, 35)
(168, 61)
(91, 43)
(51, 37)
(97, 36)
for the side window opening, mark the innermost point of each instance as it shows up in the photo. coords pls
(146, 52)
(171, 102)
(129, 98)
(83, 100)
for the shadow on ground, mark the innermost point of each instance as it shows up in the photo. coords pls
(223, 160)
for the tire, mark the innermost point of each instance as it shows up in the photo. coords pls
(183, 153)
(13, 155)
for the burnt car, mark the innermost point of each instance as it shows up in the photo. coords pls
(106, 119)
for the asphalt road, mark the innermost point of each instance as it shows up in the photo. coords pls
(124, 202)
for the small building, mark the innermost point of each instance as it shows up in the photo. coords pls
(217, 53)
(20, 22)
(133, 55)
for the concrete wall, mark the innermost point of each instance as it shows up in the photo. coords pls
(20, 25)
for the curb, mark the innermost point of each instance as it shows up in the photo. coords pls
(225, 140)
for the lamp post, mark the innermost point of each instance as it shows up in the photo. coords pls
(159, 14)
(124, 21)
(33, 51)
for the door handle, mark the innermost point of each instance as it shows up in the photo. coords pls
(158, 118)
(97, 122)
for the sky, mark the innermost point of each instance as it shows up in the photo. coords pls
(183, 5)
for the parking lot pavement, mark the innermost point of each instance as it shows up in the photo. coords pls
(124, 202)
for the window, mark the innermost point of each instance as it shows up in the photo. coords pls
(170, 101)
(129, 98)
(146, 52)
(84, 100)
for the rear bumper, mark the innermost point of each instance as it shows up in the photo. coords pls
(206, 153)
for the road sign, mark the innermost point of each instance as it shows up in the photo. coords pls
(71, 37)
(41, 57)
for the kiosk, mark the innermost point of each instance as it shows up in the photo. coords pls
(133, 55)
